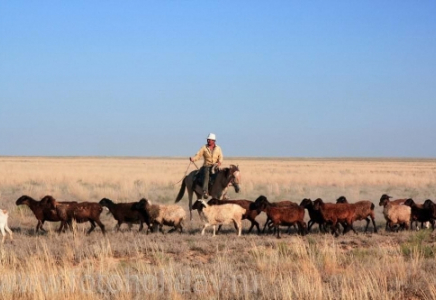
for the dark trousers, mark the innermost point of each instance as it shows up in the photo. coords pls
(205, 172)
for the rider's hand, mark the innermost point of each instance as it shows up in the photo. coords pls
(218, 164)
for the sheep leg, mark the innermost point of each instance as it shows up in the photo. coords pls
(100, 224)
(214, 227)
(367, 224)
(254, 223)
(276, 228)
(9, 231)
(204, 228)
(310, 224)
(141, 225)
(161, 228)
(219, 228)
(264, 226)
(3, 233)
(239, 227)
(92, 226)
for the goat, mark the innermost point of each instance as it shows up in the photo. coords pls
(337, 213)
(123, 213)
(4, 215)
(220, 214)
(364, 211)
(289, 215)
(160, 215)
(79, 212)
(396, 214)
(249, 214)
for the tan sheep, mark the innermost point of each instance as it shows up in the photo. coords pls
(160, 215)
(220, 214)
(396, 214)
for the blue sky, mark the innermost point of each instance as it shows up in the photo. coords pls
(269, 78)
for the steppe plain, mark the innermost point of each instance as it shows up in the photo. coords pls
(133, 265)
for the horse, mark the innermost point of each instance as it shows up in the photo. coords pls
(224, 178)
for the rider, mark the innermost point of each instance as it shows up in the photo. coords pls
(212, 155)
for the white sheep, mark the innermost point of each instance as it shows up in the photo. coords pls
(220, 214)
(396, 214)
(4, 224)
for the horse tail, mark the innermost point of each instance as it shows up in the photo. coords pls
(182, 191)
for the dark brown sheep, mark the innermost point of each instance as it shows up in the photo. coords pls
(40, 209)
(430, 205)
(282, 215)
(124, 213)
(79, 212)
(315, 215)
(249, 214)
(364, 211)
(337, 213)
(420, 213)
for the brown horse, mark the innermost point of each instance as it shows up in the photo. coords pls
(224, 178)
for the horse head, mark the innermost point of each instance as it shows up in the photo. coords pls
(233, 176)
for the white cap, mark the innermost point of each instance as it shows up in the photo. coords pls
(211, 136)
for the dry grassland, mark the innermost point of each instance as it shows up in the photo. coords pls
(132, 265)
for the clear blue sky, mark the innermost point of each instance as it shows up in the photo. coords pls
(269, 78)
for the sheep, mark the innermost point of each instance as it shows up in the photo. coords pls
(160, 215)
(4, 224)
(289, 215)
(364, 211)
(337, 213)
(315, 215)
(123, 213)
(396, 214)
(419, 213)
(220, 214)
(394, 202)
(40, 209)
(262, 199)
(249, 214)
(79, 212)
(431, 206)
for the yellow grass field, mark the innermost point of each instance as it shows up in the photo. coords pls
(133, 265)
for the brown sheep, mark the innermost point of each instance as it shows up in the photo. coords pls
(79, 212)
(315, 215)
(124, 213)
(289, 215)
(364, 211)
(262, 199)
(337, 213)
(249, 214)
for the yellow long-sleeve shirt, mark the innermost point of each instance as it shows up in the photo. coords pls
(210, 157)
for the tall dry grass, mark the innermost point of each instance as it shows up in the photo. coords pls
(129, 264)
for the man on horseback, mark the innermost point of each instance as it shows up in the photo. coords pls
(212, 155)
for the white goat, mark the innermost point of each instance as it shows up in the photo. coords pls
(4, 224)
(220, 214)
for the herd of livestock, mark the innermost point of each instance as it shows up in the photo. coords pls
(399, 214)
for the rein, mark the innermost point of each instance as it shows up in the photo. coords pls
(186, 172)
